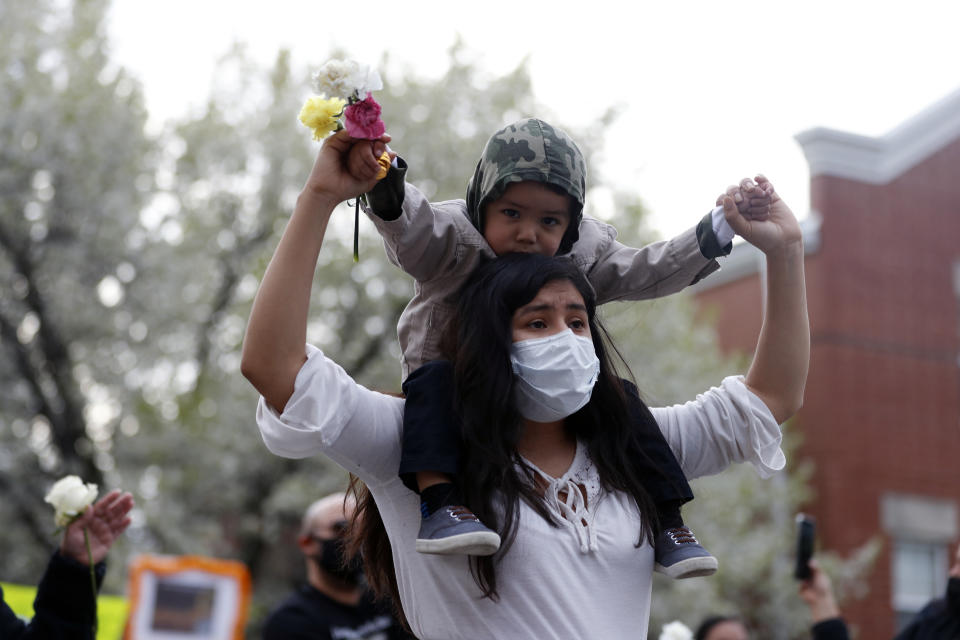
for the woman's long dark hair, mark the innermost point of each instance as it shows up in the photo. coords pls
(366, 536)
(492, 476)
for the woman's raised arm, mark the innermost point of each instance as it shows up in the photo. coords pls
(273, 347)
(778, 373)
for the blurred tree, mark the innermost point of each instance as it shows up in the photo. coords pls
(73, 176)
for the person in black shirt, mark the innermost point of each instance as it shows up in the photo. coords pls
(334, 604)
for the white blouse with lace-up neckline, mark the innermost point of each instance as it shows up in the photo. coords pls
(549, 588)
(574, 497)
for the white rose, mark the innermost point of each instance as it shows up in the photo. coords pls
(676, 631)
(344, 78)
(69, 497)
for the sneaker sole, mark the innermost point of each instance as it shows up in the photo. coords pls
(689, 568)
(477, 543)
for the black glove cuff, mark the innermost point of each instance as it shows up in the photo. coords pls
(709, 245)
(385, 200)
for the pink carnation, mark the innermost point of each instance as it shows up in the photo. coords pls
(362, 119)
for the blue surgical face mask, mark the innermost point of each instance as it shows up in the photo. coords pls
(555, 375)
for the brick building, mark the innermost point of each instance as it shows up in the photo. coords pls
(881, 418)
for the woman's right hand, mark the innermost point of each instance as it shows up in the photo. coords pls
(330, 177)
(273, 347)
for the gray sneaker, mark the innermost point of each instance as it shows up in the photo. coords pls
(678, 555)
(455, 530)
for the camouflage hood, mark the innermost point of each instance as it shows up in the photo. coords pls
(529, 149)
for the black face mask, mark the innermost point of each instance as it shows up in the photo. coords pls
(332, 559)
(953, 594)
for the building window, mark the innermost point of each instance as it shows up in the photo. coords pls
(920, 530)
(919, 574)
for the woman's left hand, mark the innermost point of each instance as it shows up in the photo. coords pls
(778, 372)
(772, 234)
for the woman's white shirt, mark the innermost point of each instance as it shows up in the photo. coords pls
(575, 581)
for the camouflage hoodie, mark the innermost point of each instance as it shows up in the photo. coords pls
(529, 150)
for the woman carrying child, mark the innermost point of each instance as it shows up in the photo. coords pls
(576, 521)
(527, 195)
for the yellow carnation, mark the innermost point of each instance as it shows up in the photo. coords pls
(321, 115)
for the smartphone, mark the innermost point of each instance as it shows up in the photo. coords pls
(806, 536)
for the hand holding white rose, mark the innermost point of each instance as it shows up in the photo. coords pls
(104, 521)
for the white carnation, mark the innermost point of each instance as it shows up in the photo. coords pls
(676, 631)
(69, 497)
(366, 79)
(346, 78)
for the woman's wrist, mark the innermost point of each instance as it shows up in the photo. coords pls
(316, 202)
(789, 250)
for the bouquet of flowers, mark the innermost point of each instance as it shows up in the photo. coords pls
(345, 100)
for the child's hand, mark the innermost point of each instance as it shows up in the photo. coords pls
(753, 199)
(771, 233)
(362, 161)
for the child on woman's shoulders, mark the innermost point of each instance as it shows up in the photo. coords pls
(526, 195)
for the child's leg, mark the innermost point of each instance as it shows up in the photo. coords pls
(431, 436)
(430, 456)
(678, 553)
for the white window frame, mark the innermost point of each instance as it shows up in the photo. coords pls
(936, 557)
(922, 528)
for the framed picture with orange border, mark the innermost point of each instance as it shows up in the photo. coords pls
(187, 598)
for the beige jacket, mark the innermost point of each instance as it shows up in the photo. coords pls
(438, 245)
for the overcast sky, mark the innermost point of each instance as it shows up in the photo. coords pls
(711, 91)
